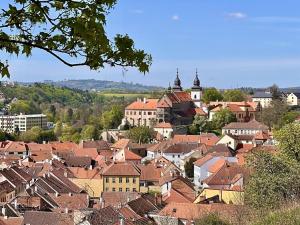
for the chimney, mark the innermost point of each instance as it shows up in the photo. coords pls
(70, 194)
(66, 210)
(56, 194)
(102, 202)
(3, 211)
(44, 142)
(145, 100)
(35, 188)
(122, 221)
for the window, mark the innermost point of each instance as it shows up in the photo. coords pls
(120, 189)
(178, 156)
(114, 180)
(173, 156)
(144, 113)
(120, 179)
(106, 189)
(149, 113)
(127, 179)
(133, 180)
(134, 189)
(127, 189)
(107, 180)
(113, 189)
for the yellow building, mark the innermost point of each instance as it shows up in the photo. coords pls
(89, 180)
(235, 197)
(121, 177)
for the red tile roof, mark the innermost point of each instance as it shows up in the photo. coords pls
(163, 125)
(149, 104)
(90, 152)
(129, 155)
(121, 144)
(121, 169)
(253, 124)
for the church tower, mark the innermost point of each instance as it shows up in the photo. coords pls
(177, 84)
(196, 92)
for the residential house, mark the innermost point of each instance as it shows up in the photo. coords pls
(263, 98)
(121, 177)
(293, 99)
(250, 128)
(125, 155)
(15, 148)
(89, 180)
(243, 111)
(203, 165)
(188, 213)
(141, 112)
(164, 129)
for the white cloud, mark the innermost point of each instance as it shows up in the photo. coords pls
(175, 17)
(237, 15)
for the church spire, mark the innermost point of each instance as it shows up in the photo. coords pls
(177, 83)
(196, 81)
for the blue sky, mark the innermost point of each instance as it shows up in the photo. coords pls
(232, 43)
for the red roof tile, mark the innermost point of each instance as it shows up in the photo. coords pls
(149, 104)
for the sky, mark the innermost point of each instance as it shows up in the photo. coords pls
(232, 43)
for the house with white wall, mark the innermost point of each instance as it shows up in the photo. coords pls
(293, 99)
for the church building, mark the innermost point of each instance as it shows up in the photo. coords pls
(176, 106)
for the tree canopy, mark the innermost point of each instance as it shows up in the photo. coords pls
(234, 96)
(71, 31)
(211, 94)
(223, 117)
(140, 134)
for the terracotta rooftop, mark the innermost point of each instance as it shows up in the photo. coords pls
(129, 155)
(83, 173)
(251, 125)
(203, 160)
(88, 152)
(116, 199)
(121, 169)
(163, 125)
(121, 144)
(191, 211)
(149, 104)
(71, 201)
(49, 218)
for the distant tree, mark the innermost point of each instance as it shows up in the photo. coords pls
(274, 181)
(89, 132)
(66, 30)
(46, 135)
(211, 219)
(31, 135)
(223, 117)
(275, 91)
(52, 111)
(20, 106)
(69, 115)
(288, 138)
(112, 118)
(140, 134)
(199, 125)
(288, 117)
(58, 129)
(189, 167)
(272, 115)
(211, 95)
(234, 96)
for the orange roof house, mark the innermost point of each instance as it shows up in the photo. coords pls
(147, 104)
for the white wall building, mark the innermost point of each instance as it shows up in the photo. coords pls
(264, 98)
(293, 99)
(22, 122)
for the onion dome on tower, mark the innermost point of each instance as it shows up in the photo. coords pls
(177, 83)
(196, 83)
